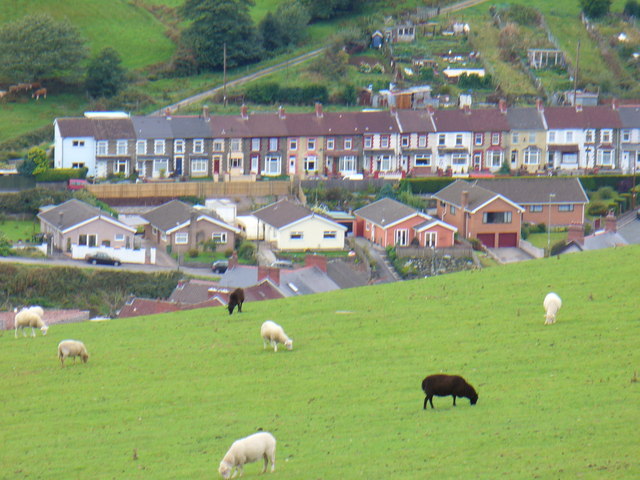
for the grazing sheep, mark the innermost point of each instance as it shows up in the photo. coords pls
(236, 298)
(274, 333)
(72, 348)
(247, 450)
(442, 385)
(552, 304)
(30, 317)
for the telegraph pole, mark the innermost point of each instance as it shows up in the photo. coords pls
(224, 74)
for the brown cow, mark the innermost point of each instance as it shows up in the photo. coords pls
(41, 92)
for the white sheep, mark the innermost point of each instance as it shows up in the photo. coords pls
(274, 333)
(552, 304)
(72, 348)
(247, 450)
(30, 317)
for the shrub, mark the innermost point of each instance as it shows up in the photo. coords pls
(476, 244)
(192, 252)
(597, 209)
(247, 251)
(557, 247)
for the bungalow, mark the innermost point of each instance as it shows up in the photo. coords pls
(387, 222)
(289, 226)
(179, 227)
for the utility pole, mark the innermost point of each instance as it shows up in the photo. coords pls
(575, 76)
(224, 74)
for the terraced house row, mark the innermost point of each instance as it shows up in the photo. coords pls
(390, 144)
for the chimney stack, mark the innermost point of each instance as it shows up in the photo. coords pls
(319, 110)
(578, 107)
(466, 109)
(205, 113)
(575, 233)
(319, 261)
(610, 223)
(244, 113)
(539, 105)
(281, 112)
(233, 260)
(392, 110)
(614, 104)
(272, 273)
(430, 109)
(502, 105)
(465, 199)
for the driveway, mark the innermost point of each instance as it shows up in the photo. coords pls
(509, 254)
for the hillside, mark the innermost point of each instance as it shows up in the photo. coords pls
(555, 401)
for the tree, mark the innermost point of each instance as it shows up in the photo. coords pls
(38, 47)
(105, 75)
(631, 8)
(595, 8)
(284, 28)
(218, 22)
(325, 9)
(38, 158)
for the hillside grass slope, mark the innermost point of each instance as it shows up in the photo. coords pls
(555, 401)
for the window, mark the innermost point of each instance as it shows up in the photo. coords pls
(122, 166)
(198, 146)
(452, 210)
(296, 235)
(405, 141)
(368, 141)
(626, 136)
(273, 144)
(160, 167)
(385, 163)
(430, 239)
(181, 238)
(158, 147)
(102, 147)
(78, 143)
(515, 137)
(121, 147)
(477, 139)
(565, 208)
(458, 140)
(495, 158)
(255, 162)
(141, 147)
(589, 136)
(218, 145)
(495, 139)
(178, 146)
(236, 145)
(531, 156)
(89, 240)
(255, 144)
(514, 156)
(422, 160)
(77, 165)
(348, 143)
(293, 144)
(219, 237)
(331, 143)
(422, 141)
(384, 141)
(535, 208)
(459, 159)
(235, 163)
(552, 137)
(119, 237)
(310, 163)
(272, 165)
(606, 135)
(605, 157)
(311, 143)
(348, 163)
(532, 137)
(441, 139)
(496, 217)
(329, 234)
(401, 237)
(199, 166)
(568, 137)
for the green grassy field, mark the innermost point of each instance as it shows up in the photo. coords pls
(15, 230)
(555, 401)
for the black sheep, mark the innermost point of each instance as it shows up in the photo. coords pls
(444, 385)
(236, 298)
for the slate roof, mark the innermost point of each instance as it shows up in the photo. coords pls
(73, 212)
(175, 213)
(190, 127)
(478, 195)
(562, 118)
(629, 117)
(471, 120)
(152, 127)
(415, 121)
(192, 291)
(146, 306)
(75, 127)
(387, 211)
(525, 191)
(525, 118)
(282, 213)
(99, 128)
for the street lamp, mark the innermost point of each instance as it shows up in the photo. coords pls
(551, 195)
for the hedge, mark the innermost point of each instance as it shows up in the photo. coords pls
(61, 174)
(425, 185)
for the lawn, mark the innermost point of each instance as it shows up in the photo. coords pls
(163, 397)
(18, 230)
(541, 240)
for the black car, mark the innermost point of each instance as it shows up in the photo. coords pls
(220, 266)
(101, 258)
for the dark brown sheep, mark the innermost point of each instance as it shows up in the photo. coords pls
(236, 298)
(442, 385)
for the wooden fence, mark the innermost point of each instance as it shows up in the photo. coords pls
(190, 189)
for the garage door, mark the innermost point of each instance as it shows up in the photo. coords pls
(508, 240)
(487, 239)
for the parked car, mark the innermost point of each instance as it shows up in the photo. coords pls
(101, 258)
(220, 266)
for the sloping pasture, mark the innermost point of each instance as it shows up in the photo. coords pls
(555, 401)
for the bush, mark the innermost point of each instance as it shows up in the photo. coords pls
(597, 209)
(61, 174)
(247, 252)
(193, 252)
(476, 244)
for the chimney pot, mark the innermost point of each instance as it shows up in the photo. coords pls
(319, 113)
(244, 112)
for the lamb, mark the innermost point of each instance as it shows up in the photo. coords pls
(274, 333)
(72, 348)
(443, 385)
(30, 317)
(552, 304)
(236, 298)
(247, 450)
